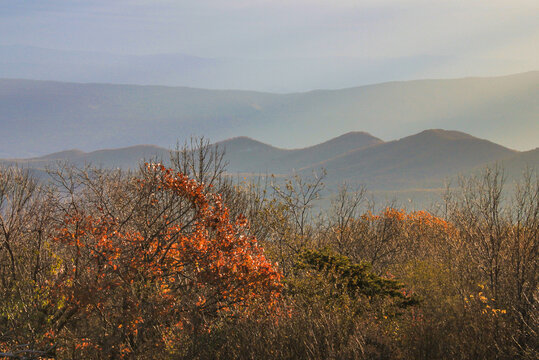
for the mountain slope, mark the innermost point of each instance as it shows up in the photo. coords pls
(244, 155)
(515, 166)
(415, 167)
(249, 156)
(423, 160)
(41, 117)
(124, 158)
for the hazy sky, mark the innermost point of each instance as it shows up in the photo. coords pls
(471, 29)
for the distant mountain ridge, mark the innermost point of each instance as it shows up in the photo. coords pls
(124, 158)
(244, 155)
(251, 156)
(418, 164)
(178, 69)
(39, 117)
(422, 160)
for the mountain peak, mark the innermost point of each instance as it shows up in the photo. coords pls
(349, 141)
(355, 135)
(66, 154)
(240, 138)
(444, 134)
(245, 144)
(440, 138)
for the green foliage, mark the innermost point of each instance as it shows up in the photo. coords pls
(353, 278)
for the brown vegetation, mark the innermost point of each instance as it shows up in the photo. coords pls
(182, 263)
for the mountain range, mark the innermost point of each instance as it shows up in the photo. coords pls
(39, 117)
(273, 75)
(415, 166)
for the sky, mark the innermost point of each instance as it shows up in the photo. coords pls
(267, 29)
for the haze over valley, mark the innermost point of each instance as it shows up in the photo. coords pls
(40, 117)
(280, 75)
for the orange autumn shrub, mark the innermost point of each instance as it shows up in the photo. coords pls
(127, 289)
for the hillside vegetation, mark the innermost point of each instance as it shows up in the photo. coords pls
(182, 263)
